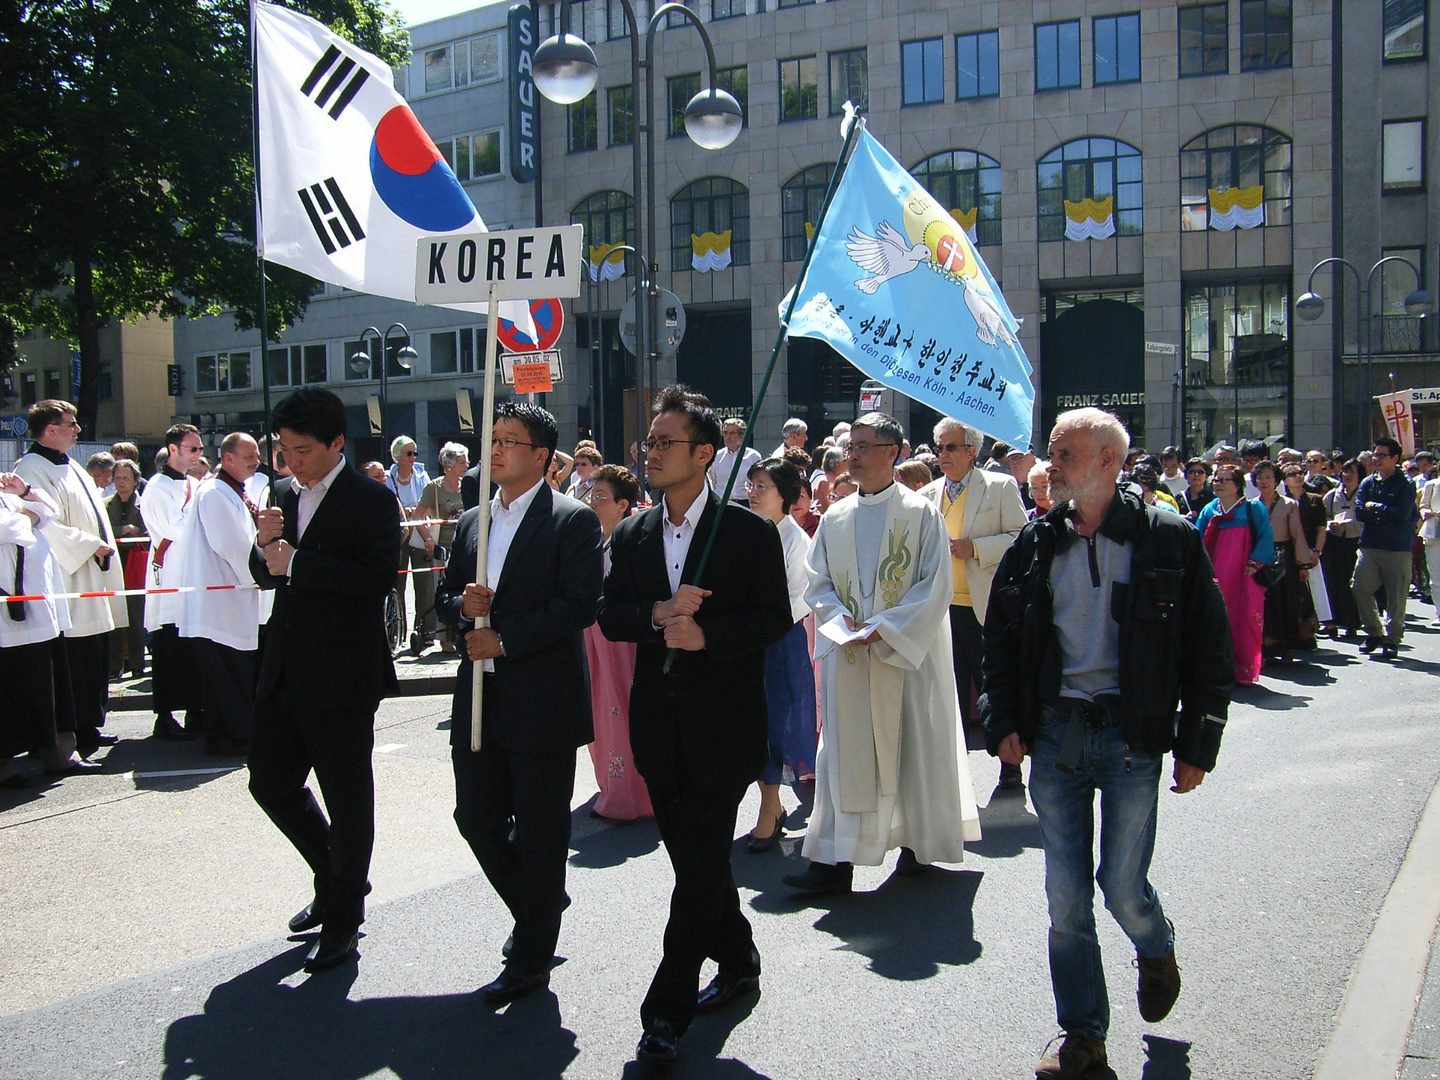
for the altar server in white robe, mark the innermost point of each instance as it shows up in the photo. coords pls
(165, 508)
(30, 644)
(83, 543)
(891, 769)
(224, 625)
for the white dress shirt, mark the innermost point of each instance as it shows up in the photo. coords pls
(504, 523)
(727, 462)
(312, 497)
(678, 537)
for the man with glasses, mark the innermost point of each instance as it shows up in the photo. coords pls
(983, 513)
(164, 509)
(1317, 479)
(543, 574)
(1385, 506)
(730, 462)
(890, 771)
(84, 546)
(698, 720)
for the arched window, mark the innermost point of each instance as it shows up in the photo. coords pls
(1233, 161)
(713, 204)
(800, 200)
(1094, 169)
(968, 185)
(608, 218)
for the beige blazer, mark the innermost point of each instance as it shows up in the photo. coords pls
(994, 516)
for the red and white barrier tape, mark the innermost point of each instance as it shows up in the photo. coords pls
(164, 592)
(405, 524)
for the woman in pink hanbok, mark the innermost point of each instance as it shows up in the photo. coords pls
(1238, 537)
(623, 796)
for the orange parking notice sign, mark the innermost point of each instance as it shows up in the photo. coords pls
(533, 378)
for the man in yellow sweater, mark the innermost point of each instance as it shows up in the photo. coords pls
(983, 514)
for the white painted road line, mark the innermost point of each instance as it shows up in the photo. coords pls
(389, 748)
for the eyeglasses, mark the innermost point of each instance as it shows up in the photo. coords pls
(946, 448)
(864, 447)
(661, 445)
(508, 443)
(836, 496)
(193, 449)
(756, 489)
(1375, 453)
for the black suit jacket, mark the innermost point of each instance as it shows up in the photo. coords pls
(710, 711)
(326, 636)
(547, 594)
(470, 487)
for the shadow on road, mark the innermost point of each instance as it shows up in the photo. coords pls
(1262, 697)
(599, 842)
(256, 1025)
(700, 1050)
(1165, 1059)
(1007, 827)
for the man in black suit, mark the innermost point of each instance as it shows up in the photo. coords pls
(512, 797)
(329, 550)
(699, 733)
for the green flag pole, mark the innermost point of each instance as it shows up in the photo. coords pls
(855, 125)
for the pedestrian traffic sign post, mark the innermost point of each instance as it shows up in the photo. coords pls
(513, 264)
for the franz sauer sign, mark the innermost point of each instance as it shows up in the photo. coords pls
(1097, 401)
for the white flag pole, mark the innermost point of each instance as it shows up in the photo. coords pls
(482, 526)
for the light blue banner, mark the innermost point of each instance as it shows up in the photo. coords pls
(899, 290)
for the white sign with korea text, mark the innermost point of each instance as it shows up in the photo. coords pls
(522, 264)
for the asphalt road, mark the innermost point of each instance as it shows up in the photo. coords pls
(143, 919)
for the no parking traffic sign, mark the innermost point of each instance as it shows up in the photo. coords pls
(549, 319)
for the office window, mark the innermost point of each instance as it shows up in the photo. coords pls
(1096, 169)
(679, 89)
(1204, 39)
(922, 71)
(799, 94)
(622, 115)
(439, 69)
(1237, 361)
(1264, 34)
(1057, 55)
(52, 384)
(1403, 155)
(293, 365)
(712, 204)
(1405, 29)
(793, 3)
(726, 9)
(1117, 49)
(849, 80)
(216, 372)
(485, 57)
(1399, 332)
(1234, 156)
(606, 216)
(462, 63)
(28, 395)
(977, 65)
(452, 352)
(582, 124)
(472, 157)
(965, 182)
(736, 82)
(800, 199)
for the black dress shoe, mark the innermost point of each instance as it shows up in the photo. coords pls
(1010, 777)
(307, 918)
(513, 985)
(724, 989)
(657, 1045)
(509, 946)
(167, 728)
(821, 878)
(1369, 645)
(757, 844)
(331, 949)
(106, 740)
(76, 768)
(908, 865)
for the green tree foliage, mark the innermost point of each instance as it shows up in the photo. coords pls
(127, 172)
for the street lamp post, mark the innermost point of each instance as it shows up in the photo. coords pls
(1311, 306)
(361, 361)
(565, 71)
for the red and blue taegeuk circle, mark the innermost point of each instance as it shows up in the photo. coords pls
(411, 176)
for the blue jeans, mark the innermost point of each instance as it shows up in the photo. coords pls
(1129, 786)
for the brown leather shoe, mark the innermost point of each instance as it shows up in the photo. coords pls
(1077, 1055)
(1159, 986)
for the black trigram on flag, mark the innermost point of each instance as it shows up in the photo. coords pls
(330, 213)
(337, 76)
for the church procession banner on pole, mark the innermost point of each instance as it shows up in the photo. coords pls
(349, 180)
(896, 286)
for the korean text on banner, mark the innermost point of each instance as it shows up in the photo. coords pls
(896, 286)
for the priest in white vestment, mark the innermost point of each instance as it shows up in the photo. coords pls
(891, 770)
(165, 508)
(83, 544)
(223, 625)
